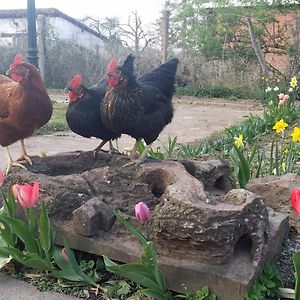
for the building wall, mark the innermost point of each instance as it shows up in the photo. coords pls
(70, 32)
(63, 28)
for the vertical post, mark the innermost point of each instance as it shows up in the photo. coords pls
(32, 52)
(165, 32)
(41, 32)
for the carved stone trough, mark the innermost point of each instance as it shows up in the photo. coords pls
(205, 232)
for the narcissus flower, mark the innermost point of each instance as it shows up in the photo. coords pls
(280, 126)
(290, 90)
(283, 165)
(296, 134)
(295, 200)
(29, 195)
(238, 141)
(268, 89)
(276, 88)
(293, 82)
(286, 151)
(142, 212)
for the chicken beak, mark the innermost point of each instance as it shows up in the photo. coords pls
(8, 72)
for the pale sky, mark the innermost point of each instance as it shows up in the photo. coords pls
(149, 10)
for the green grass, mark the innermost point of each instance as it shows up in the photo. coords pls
(57, 122)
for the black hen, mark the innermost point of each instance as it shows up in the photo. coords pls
(83, 115)
(139, 107)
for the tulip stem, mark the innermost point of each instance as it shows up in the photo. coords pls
(147, 230)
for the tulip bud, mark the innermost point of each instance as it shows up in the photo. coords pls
(29, 195)
(15, 190)
(2, 177)
(64, 254)
(142, 212)
(295, 200)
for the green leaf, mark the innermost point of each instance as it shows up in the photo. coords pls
(7, 235)
(32, 221)
(21, 229)
(10, 203)
(131, 228)
(14, 252)
(134, 272)
(296, 260)
(76, 268)
(45, 231)
(149, 260)
(271, 158)
(156, 294)
(34, 261)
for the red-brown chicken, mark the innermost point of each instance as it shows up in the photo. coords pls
(24, 107)
(139, 107)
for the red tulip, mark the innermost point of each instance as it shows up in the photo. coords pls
(295, 200)
(2, 177)
(142, 212)
(64, 254)
(29, 195)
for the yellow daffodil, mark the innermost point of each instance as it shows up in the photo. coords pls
(286, 151)
(262, 78)
(293, 82)
(238, 141)
(296, 134)
(280, 126)
(283, 165)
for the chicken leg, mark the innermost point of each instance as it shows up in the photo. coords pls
(24, 156)
(10, 162)
(141, 159)
(111, 147)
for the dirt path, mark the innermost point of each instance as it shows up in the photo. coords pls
(194, 119)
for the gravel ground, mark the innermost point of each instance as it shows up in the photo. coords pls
(284, 262)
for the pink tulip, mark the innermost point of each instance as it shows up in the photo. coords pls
(142, 212)
(280, 96)
(281, 102)
(64, 254)
(295, 200)
(285, 98)
(29, 195)
(2, 177)
(15, 190)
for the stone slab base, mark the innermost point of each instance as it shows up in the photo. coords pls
(228, 281)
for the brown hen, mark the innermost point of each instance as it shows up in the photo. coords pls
(24, 106)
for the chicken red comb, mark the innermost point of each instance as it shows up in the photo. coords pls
(18, 60)
(112, 65)
(75, 81)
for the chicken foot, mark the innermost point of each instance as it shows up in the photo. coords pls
(141, 159)
(24, 156)
(112, 149)
(10, 162)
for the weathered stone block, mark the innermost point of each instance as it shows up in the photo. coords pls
(93, 216)
(204, 232)
(276, 192)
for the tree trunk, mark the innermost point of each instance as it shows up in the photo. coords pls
(257, 49)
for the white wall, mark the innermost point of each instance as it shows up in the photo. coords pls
(63, 28)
